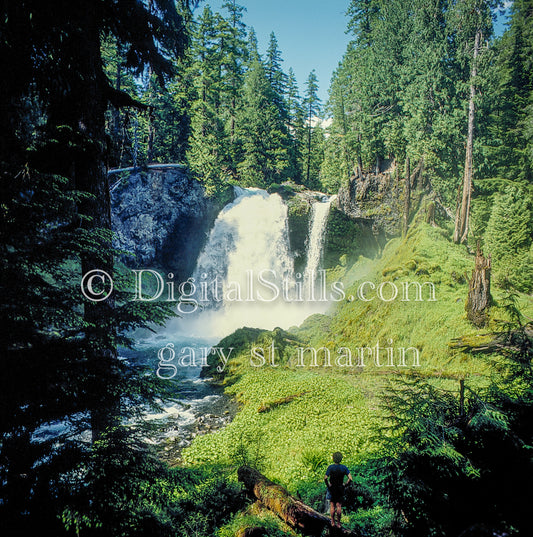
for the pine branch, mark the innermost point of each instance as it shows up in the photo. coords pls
(121, 99)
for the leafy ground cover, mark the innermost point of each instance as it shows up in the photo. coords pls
(292, 418)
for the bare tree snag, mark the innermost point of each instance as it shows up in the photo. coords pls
(479, 299)
(292, 511)
(407, 196)
(461, 223)
(430, 213)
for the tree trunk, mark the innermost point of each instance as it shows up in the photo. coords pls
(309, 130)
(291, 510)
(91, 176)
(479, 298)
(83, 109)
(407, 196)
(461, 224)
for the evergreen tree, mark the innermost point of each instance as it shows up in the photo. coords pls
(471, 20)
(341, 152)
(454, 452)
(318, 139)
(219, 56)
(505, 116)
(262, 131)
(275, 74)
(252, 48)
(207, 155)
(403, 85)
(234, 52)
(119, 121)
(295, 125)
(312, 110)
(508, 238)
(231, 37)
(59, 353)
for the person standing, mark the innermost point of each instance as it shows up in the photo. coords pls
(334, 480)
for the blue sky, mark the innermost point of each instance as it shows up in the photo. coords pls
(310, 33)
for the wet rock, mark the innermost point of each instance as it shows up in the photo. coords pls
(376, 199)
(162, 217)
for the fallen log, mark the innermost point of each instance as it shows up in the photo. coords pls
(292, 511)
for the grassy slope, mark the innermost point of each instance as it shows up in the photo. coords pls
(425, 255)
(292, 418)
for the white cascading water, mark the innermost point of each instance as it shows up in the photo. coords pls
(248, 261)
(315, 244)
(249, 238)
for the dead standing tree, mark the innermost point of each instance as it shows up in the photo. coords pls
(479, 298)
(463, 209)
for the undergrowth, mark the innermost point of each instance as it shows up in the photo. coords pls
(293, 417)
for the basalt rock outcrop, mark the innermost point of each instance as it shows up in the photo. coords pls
(299, 206)
(348, 237)
(346, 229)
(161, 218)
(377, 198)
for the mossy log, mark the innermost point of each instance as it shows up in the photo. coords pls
(491, 343)
(255, 531)
(292, 511)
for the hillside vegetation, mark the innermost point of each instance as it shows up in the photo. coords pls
(292, 417)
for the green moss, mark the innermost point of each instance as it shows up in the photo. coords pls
(347, 239)
(241, 340)
(285, 190)
(266, 522)
(292, 418)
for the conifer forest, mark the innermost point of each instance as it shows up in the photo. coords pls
(213, 277)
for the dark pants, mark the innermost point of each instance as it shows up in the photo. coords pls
(336, 494)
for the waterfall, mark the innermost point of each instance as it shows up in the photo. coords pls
(315, 244)
(249, 234)
(245, 276)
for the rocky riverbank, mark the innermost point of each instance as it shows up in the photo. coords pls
(214, 413)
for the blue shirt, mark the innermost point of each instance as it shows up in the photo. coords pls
(336, 473)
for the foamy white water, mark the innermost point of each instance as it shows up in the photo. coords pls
(245, 274)
(315, 245)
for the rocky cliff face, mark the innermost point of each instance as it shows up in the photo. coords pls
(376, 198)
(349, 234)
(299, 213)
(161, 217)
(348, 237)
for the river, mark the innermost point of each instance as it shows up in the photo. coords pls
(244, 276)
